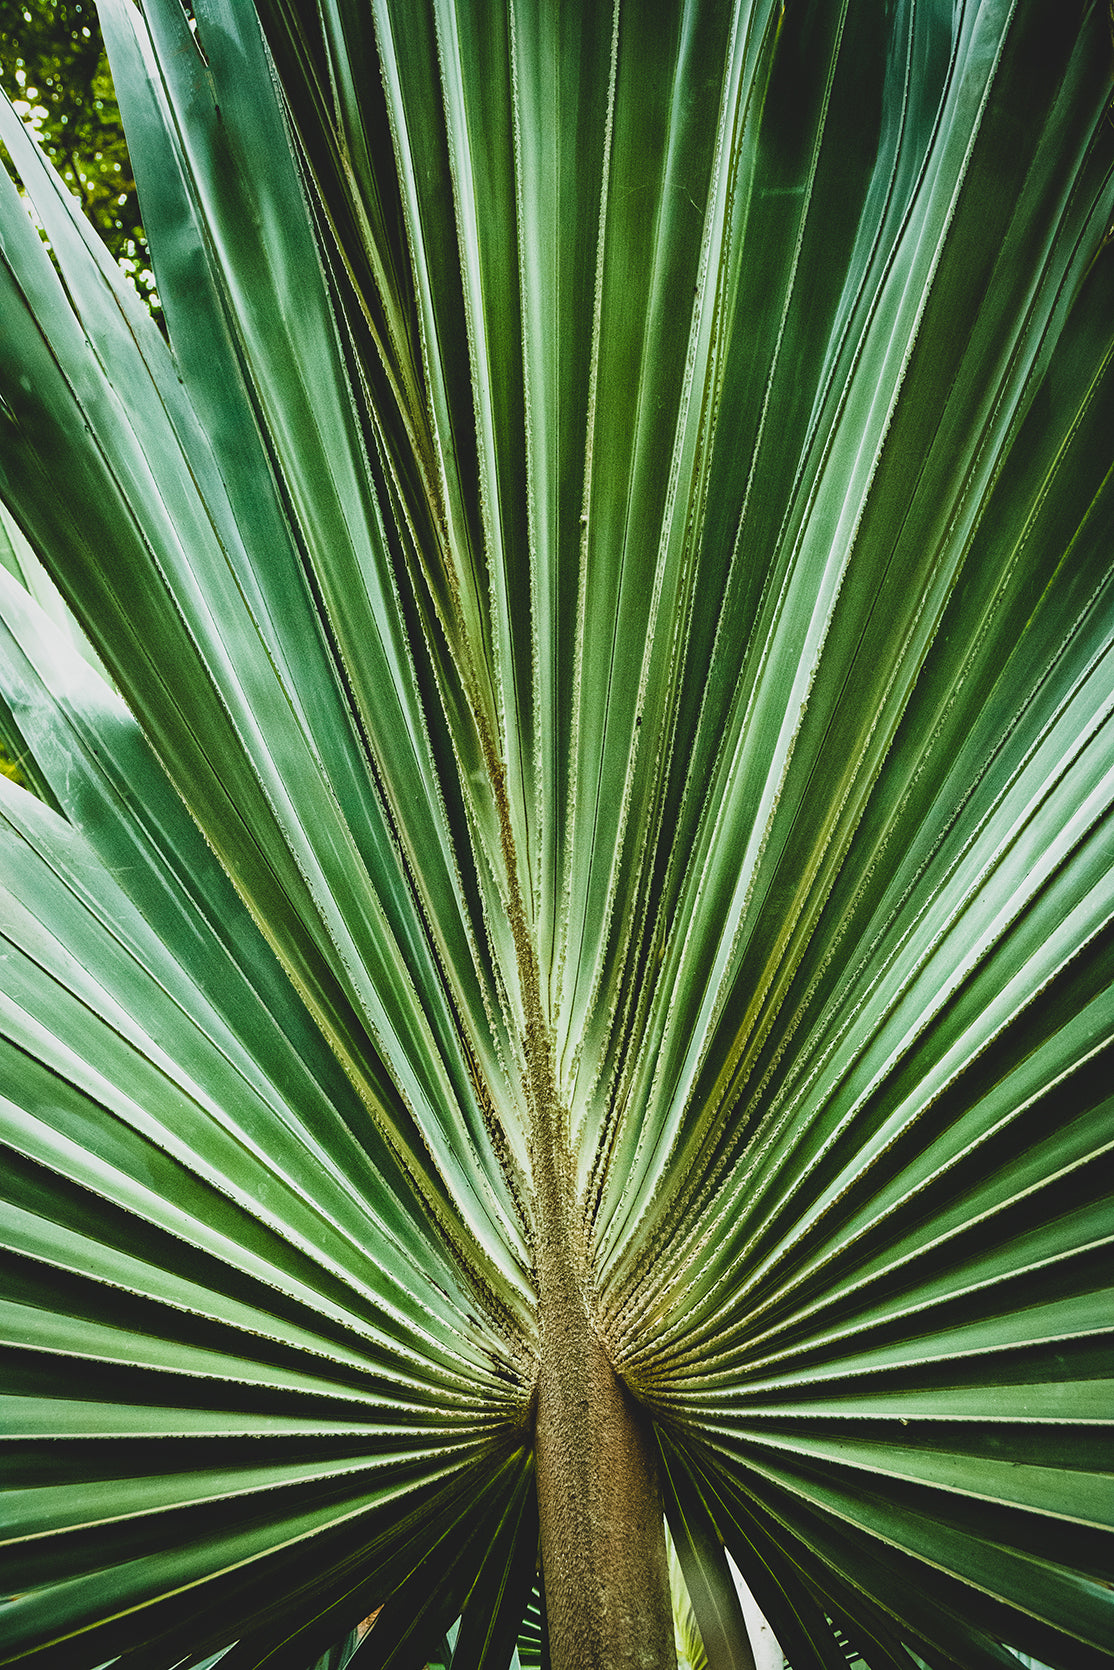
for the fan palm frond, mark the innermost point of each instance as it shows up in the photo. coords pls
(572, 976)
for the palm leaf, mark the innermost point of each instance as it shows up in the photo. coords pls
(609, 577)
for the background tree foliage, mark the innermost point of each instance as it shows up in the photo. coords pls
(54, 69)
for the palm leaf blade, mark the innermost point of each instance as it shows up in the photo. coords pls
(614, 561)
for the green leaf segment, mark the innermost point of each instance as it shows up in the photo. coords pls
(598, 871)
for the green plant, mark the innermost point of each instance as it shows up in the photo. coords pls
(53, 67)
(588, 973)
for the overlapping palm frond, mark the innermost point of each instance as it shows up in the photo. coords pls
(618, 543)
